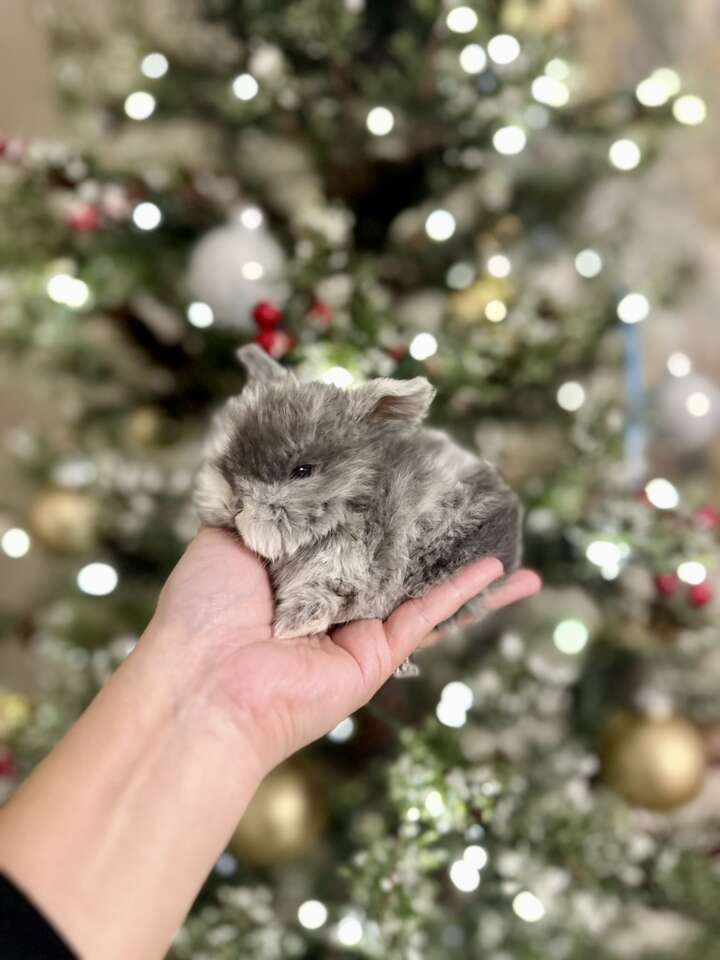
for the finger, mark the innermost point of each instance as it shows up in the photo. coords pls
(367, 644)
(522, 584)
(415, 618)
(519, 586)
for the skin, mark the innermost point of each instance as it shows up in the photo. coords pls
(114, 833)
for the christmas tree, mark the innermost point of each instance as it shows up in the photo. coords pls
(373, 189)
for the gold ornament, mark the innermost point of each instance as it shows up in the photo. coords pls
(64, 519)
(653, 762)
(14, 712)
(469, 305)
(516, 14)
(284, 819)
(145, 426)
(544, 16)
(508, 228)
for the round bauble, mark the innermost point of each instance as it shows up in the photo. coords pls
(687, 412)
(530, 16)
(469, 305)
(145, 425)
(15, 712)
(285, 817)
(654, 762)
(232, 268)
(64, 519)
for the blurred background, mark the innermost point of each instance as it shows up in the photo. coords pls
(515, 198)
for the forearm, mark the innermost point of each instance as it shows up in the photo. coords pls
(116, 830)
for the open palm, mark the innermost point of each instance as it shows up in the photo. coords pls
(218, 605)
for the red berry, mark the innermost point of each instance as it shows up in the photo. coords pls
(12, 149)
(700, 595)
(7, 763)
(708, 517)
(85, 219)
(398, 351)
(666, 584)
(267, 315)
(321, 311)
(275, 342)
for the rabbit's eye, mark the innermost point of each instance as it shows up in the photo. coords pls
(304, 470)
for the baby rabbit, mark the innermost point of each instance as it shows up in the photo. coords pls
(355, 506)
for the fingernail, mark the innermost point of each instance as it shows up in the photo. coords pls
(534, 581)
(500, 569)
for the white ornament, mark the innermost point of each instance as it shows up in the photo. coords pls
(267, 61)
(232, 268)
(687, 412)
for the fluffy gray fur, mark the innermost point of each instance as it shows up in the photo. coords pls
(389, 509)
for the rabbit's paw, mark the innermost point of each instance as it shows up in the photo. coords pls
(300, 619)
(344, 589)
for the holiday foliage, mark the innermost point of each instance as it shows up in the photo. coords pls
(385, 189)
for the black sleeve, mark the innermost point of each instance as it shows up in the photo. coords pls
(25, 934)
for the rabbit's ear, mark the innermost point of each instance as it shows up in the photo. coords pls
(385, 399)
(260, 365)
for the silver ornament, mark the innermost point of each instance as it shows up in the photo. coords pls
(232, 268)
(687, 412)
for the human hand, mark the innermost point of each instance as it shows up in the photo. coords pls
(216, 613)
(115, 831)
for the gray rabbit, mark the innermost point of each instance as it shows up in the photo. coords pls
(355, 506)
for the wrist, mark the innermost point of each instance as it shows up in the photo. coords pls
(186, 674)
